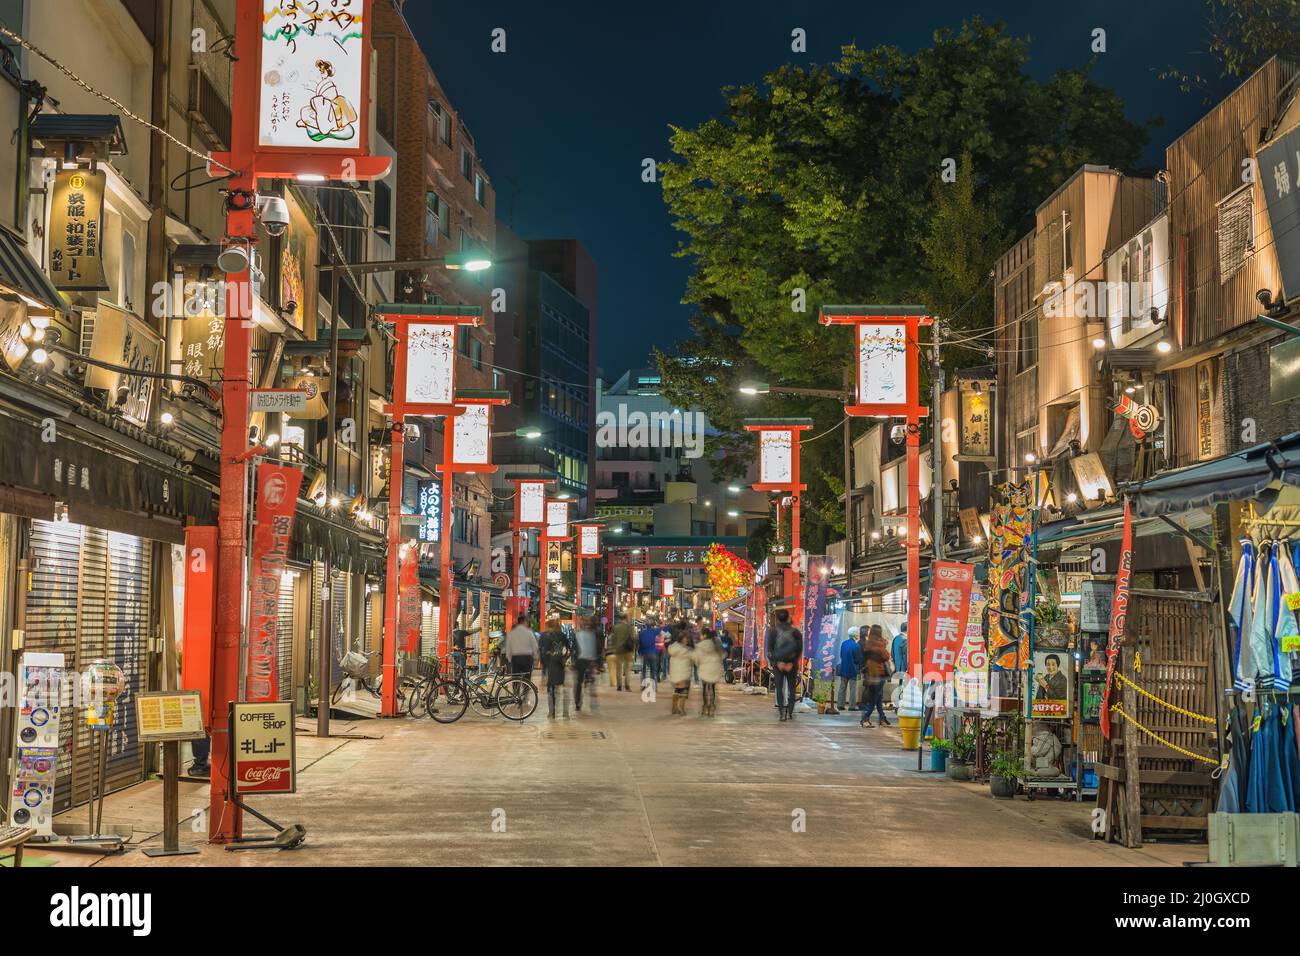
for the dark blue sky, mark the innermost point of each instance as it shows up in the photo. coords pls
(585, 91)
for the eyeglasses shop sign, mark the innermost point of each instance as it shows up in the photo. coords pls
(263, 746)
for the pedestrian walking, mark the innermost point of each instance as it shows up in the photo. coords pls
(680, 663)
(849, 669)
(899, 650)
(554, 649)
(648, 644)
(619, 651)
(585, 661)
(786, 642)
(520, 648)
(708, 660)
(661, 655)
(875, 671)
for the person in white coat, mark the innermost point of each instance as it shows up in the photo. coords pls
(680, 665)
(708, 657)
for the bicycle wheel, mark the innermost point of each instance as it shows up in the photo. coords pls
(516, 698)
(408, 689)
(447, 702)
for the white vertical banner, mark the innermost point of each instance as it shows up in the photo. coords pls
(882, 364)
(588, 541)
(430, 363)
(557, 519)
(471, 435)
(774, 456)
(532, 502)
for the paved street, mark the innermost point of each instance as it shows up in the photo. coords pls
(630, 785)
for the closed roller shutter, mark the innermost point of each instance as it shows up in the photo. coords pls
(338, 625)
(284, 637)
(89, 599)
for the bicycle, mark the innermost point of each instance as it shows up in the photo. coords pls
(512, 696)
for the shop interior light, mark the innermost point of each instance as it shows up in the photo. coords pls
(40, 356)
(272, 440)
(1164, 347)
(1099, 343)
(978, 539)
(166, 418)
(1030, 457)
(334, 502)
(310, 178)
(1130, 390)
(1071, 498)
(875, 536)
(733, 514)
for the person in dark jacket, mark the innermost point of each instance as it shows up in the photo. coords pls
(875, 671)
(647, 644)
(786, 643)
(554, 649)
(850, 667)
(899, 650)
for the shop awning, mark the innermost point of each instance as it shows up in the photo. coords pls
(20, 273)
(1246, 474)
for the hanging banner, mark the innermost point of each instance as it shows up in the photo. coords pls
(554, 559)
(749, 644)
(409, 611)
(76, 230)
(760, 625)
(827, 638)
(471, 435)
(814, 599)
(949, 610)
(532, 503)
(277, 499)
(972, 673)
(588, 541)
(314, 75)
(1118, 615)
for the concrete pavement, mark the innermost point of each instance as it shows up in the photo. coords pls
(626, 784)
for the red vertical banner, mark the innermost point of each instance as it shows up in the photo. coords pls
(950, 586)
(1118, 614)
(277, 499)
(409, 612)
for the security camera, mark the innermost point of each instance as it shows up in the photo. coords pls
(274, 214)
(1270, 305)
(233, 259)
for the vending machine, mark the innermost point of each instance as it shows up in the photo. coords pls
(40, 681)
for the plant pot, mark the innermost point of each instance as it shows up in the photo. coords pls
(938, 760)
(821, 707)
(1002, 788)
(957, 770)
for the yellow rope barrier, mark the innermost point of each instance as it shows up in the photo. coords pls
(1156, 737)
(1150, 696)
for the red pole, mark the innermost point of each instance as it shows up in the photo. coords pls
(512, 606)
(388, 705)
(577, 583)
(542, 542)
(444, 575)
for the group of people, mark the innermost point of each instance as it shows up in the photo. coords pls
(555, 650)
(865, 655)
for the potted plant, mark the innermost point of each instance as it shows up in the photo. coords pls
(961, 756)
(1005, 773)
(822, 696)
(1049, 623)
(939, 750)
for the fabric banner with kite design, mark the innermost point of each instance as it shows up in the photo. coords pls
(1118, 615)
(277, 499)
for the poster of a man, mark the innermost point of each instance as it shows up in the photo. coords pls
(1051, 685)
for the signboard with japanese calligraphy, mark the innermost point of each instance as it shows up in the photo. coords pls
(1205, 409)
(430, 363)
(557, 518)
(262, 746)
(972, 676)
(430, 505)
(471, 435)
(554, 560)
(882, 364)
(775, 461)
(666, 587)
(314, 75)
(636, 579)
(122, 339)
(532, 503)
(949, 611)
(686, 557)
(409, 612)
(588, 541)
(203, 337)
(289, 401)
(976, 438)
(277, 500)
(76, 253)
(1278, 163)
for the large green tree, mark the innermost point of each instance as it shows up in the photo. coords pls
(886, 176)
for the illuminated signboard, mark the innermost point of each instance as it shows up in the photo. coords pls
(775, 461)
(471, 435)
(430, 363)
(557, 519)
(430, 510)
(882, 364)
(637, 579)
(532, 502)
(588, 541)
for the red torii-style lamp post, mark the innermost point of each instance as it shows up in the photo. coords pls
(258, 153)
(530, 512)
(424, 388)
(888, 386)
(557, 517)
(467, 449)
(778, 470)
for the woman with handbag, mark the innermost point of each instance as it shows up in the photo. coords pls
(787, 649)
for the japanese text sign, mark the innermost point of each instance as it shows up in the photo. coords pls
(262, 746)
(950, 587)
(277, 499)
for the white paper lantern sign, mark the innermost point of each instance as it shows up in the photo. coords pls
(557, 519)
(666, 587)
(778, 452)
(532, 503)
(636, 579)
(588, 541)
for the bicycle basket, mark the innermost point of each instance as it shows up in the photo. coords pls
(355, 664)
(428, 667)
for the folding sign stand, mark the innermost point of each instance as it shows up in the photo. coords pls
(286, 838)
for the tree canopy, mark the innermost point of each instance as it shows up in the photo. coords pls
(883, 177)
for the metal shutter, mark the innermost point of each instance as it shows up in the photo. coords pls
(339, 619)
(284, 636)
(127, 560)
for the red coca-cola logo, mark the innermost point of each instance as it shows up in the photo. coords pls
(264, 774)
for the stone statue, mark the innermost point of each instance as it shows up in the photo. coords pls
(1045, 755)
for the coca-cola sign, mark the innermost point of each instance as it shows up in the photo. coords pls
(263, 746)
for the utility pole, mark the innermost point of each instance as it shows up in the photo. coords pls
(936, 440)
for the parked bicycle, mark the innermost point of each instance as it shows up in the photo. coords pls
(495, 692)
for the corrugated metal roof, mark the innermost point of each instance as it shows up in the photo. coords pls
(19, 271)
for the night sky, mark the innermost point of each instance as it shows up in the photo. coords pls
(585, 91)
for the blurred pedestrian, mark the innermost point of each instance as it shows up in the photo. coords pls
(786, 643)
(661, 644)
(708, 660)
(647, 644)
(619, 651)
(520, 648)
(680, 663)
(898, 651)
(875, 671)
(585, 661)
(554, 648)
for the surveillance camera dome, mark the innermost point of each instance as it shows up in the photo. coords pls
(273, 214)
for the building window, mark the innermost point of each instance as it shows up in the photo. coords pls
(462, 339)
(480, 189)
(1236, 229)
(466, 164)
(441, 121)
(437, 218)
(1027, 351)
(383, 208)
(476, 353)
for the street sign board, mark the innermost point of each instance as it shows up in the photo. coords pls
(262, 746)
(277, 400)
